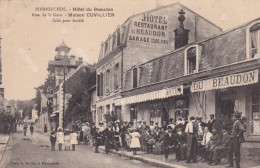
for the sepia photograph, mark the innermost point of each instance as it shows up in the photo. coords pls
(129, 84)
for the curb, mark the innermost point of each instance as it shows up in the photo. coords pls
(146, 160)
(1, 155)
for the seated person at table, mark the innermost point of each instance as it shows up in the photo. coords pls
(156, 133)
(206, 137)
(222, 147)
(159, 146)
(214, 141)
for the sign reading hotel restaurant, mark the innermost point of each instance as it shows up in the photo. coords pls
(240, 79)
(149, 29)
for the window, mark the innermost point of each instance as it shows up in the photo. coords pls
(114, 41)
(108, 81)
(118, 37)
(101, 84)
(254, 40)
(255, 114)
(98, 85)
(135, 77)
(116, 76)
(106, 47)
(191, 60)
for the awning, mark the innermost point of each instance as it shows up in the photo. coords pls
(57, 111)
(233, 80)
(53, 115)
(154, 95)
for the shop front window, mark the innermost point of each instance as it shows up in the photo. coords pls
(255, 115)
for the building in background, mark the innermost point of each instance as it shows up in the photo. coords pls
(140, 39)
(59, 68)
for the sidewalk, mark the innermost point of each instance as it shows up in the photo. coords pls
(3, 142)
(158, 160)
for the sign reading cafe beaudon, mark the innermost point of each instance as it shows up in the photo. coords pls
(149, 29)
(240, 79)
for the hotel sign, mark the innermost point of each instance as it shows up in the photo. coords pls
(240, 79)
(149, 29)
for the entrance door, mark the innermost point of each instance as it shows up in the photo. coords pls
(133, 114)
(165, 115)
(224, 109)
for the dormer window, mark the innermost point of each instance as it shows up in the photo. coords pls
(135, 77)
(254, 41)
(114, 41)
(191, 60)
(106, 47)
(118, 34)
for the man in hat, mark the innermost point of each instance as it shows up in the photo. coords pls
(191, 131)
(211, 122)
(201, 125)
(152, 126)
(164, 125)
(97, 137)
(214, 141)
(222, 147)
(203, 146)
(109, 138)
(123, 132)
(170, 123)
(234, 146)
(185, 122)
(144, 126)
(117, 130)
(168, 142)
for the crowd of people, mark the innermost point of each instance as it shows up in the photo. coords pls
(189, 140)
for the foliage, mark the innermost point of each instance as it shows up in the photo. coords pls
(110, 117)
(79, 104)
(26, 106)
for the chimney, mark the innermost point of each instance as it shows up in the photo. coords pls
(181, 34)
(81, 59)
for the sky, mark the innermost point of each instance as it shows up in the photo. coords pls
(29, 42)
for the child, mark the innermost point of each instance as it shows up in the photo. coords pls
(135, 142)
(53, 140)
(67, 140)
(60, 138)
(73, 139)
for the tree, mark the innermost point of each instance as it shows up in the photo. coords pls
(79, 104)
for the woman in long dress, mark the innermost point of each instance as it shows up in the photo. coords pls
(135, 141)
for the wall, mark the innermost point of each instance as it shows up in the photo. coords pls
(138, 52)
(207, 103)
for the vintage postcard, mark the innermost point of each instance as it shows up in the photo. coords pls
(129, 83)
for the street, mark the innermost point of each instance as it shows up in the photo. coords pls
(35, 152)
